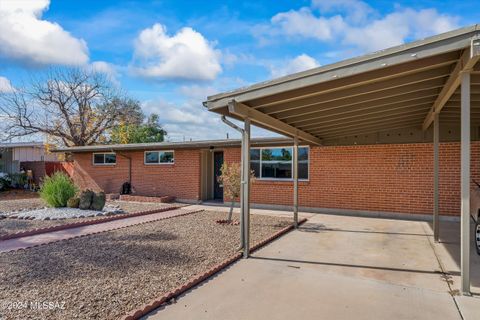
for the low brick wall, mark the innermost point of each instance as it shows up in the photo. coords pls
(129, 197)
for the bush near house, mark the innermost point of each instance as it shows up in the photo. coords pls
(57, 189)
(5, 181)
(19, 180)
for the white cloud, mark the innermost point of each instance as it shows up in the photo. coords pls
(103, 67)
(188, 119)
(27, 38)
(108, 69)
(5, 85)
(357, 25)
(197, 92)
(304, 23)
(185, 55)
(396, 27)
(353, 10)
(297, 64)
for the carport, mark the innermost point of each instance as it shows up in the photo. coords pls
(424, 91)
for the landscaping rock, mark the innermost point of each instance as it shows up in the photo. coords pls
(73, 202)
(86, 198)
(98, 201)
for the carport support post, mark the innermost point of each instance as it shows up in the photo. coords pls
(295, 182)
(246, 186)
(436, 170)
(242, 191)
(465, 183)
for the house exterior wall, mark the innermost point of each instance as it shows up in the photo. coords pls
(180, 179)
(7, 165)
(23, 154)
(388, 178)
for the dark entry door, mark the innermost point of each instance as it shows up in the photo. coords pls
(217, 165)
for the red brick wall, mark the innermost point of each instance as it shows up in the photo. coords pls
(181, 179)
(63, 166)
(394, 178)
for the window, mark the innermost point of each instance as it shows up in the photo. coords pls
(104, 158)
(159, 157)
(276, 163)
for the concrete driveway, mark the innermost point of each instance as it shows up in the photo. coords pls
(340, 267)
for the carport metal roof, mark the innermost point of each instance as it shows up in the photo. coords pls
(396, 88)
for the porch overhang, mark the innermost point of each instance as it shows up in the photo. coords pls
(397, 88)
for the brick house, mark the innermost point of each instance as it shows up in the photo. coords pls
(380, 178)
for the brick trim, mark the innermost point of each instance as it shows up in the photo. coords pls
(81, 223)
(163, 199)
(197, 279)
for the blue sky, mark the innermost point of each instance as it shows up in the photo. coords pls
(171, 54)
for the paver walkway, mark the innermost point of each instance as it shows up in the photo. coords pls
(35, 240)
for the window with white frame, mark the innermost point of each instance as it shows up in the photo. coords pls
(276, 163)
(104, 158)
(159, 157)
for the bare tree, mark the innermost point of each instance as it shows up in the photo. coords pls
(75, 107)
(231, 181)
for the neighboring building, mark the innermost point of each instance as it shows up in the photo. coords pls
(28, 156)
(394, 178)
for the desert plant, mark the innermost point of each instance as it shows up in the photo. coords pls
(57, 189)
(231, 180)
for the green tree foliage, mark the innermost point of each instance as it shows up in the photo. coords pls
(144, 132)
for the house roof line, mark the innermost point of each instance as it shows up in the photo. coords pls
(21, 144)
(201, 144)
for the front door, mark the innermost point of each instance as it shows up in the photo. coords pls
(217, 165)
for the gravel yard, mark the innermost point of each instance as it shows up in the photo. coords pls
(8, 226)
(7, 206)
(16, 194)
(107, 275)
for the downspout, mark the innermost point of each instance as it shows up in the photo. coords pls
(242, 178)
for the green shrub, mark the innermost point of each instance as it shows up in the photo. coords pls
(5, 181)
(57, 189)
(19, 180)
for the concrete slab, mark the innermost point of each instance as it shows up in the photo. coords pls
(470, 307)
(448, 251)
(333, 267)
